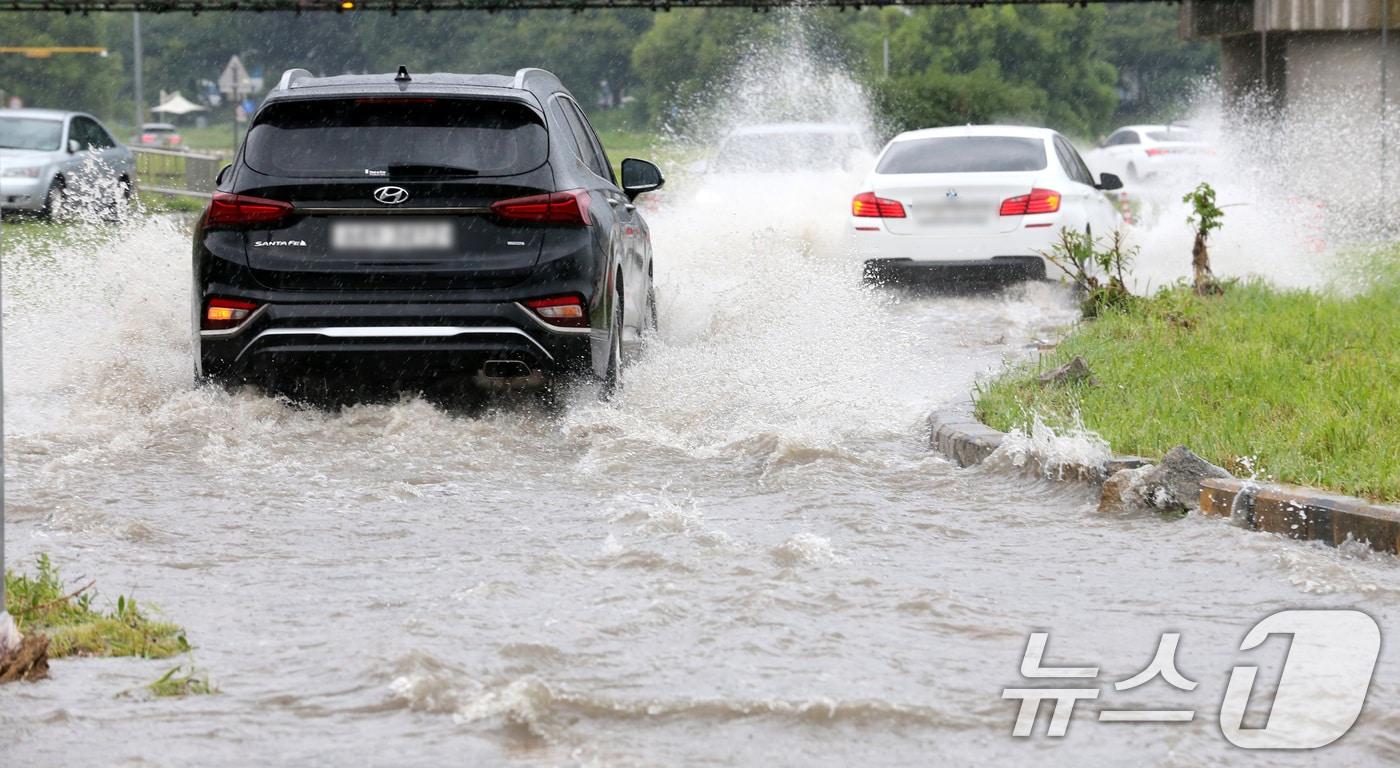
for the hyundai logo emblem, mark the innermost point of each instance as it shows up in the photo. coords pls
(952, 193)
(391, 195)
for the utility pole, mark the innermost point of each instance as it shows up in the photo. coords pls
(136, 71)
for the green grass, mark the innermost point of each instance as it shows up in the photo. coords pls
(1298, 386)
(182, 681)
(43, 603)
(155, 202)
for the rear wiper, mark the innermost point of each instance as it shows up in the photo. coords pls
(425, 169)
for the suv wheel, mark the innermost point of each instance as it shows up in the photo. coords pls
(612, 379)
(652, 324)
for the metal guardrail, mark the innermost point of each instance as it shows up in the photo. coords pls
(176, 173)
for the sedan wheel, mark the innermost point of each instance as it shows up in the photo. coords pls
(56, 202)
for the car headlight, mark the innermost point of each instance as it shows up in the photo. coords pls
(21, 171)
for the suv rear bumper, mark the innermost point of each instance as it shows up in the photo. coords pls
(401, 341)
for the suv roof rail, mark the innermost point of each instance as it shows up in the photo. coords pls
(290, 78)
(526, 74)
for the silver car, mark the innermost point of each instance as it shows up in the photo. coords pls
(51, 161)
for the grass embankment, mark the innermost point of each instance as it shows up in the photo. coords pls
(43, 604)
(1296, 386)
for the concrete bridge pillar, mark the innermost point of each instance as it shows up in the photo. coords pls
(1330, 68)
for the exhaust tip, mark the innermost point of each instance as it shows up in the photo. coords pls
(505, 369)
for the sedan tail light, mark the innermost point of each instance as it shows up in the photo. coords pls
(1038, 201)
(564, 311)
(225, 314)
(1155, 151)
(226, 210)
(570, 207)
(867, 206)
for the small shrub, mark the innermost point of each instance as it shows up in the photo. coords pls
(1081, 259)
(1205, 217)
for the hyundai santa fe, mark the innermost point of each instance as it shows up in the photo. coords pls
(422, 226)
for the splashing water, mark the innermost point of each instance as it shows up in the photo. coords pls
(750, 556)
(1301, 190)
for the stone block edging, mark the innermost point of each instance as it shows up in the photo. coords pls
(1293, 511)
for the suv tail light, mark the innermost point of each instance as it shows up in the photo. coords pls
(1038, 201)
(564, 311)
(569, 207)
(867, 206)
(225, 314)
(226, 210)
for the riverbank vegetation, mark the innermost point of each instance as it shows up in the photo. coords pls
(67, 613)
(1297, 386)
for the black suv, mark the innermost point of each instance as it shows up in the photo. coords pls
(421, 227)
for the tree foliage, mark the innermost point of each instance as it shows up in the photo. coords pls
(1054, 65)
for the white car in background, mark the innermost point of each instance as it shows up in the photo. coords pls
(51, 161)
(790, 148)
(975, 204)
(1138, 153)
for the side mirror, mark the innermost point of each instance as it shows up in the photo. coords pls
(223, 173)
(74, 147)
(1109, 182)
(639, 176)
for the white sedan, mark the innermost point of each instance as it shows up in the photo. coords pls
(975, 203)
(1141, 152)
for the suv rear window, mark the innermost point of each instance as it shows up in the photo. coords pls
(389, 137)
(964, 154)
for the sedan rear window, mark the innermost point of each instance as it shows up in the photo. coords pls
(964, 154)
(396, 137)
(30, 133)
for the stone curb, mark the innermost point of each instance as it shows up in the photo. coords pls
(1303, 513)
(957, 434)
(1294, 511)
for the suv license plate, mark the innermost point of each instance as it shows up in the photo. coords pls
(392, 235)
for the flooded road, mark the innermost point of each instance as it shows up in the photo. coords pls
(749, 557)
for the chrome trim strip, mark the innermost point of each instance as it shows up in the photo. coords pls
(551, 328)
(396, 332)
(241, 327)
(349, 211)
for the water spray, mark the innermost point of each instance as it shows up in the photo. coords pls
(9, 633)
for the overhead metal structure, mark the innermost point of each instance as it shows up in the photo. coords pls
(405, 6)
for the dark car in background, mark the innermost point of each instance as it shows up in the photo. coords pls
(411, 227)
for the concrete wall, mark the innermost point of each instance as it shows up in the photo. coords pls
(1317, 65)
(1324, 65)
(1214, 18)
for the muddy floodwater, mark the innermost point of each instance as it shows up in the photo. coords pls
(749, 558)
